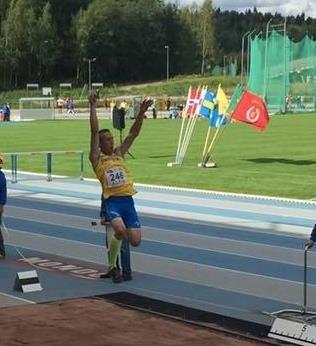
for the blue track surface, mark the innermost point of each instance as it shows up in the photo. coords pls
(187, 259)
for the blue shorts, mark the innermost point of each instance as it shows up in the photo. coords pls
(103, 214)
(121, 206)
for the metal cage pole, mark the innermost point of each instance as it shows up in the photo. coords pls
(49, 167)
(242, 56)
(305, 283)
(248, 53)
(266, 62)
(81, 165)
(285, 68)
(14, 164)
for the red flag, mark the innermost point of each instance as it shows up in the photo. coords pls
(192, 101)
(251, 110)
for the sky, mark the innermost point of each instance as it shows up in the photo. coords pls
(285, 7)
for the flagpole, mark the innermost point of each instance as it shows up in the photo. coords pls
(184, 115)
(180, 143)
(229, 111)
(186, 144)
(207, 155)
(210, 147)
(184, 138)
(185, 135)
(206, 143)
(216, 137)
(235, 98)
(188, 132)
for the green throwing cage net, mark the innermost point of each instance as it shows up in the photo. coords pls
(283, 72)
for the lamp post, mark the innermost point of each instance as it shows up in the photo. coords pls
(42, 50)
(225, 56)
(5, 44)
(167, 48)
(90, 60)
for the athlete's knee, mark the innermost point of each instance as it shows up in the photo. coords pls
(135, 242)
(120, 233)
(134, 237)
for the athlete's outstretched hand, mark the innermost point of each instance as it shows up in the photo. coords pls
(145, 104)
(93, 99)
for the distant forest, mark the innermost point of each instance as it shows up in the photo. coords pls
(44, 41)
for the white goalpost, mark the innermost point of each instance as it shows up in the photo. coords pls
(32, 108)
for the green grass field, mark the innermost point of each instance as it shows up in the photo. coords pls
(278, 162)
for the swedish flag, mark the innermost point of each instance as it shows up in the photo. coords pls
(216, 119)
(208, 104)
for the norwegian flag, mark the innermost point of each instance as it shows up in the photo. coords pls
(193, 102)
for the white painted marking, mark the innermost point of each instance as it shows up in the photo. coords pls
(17, 298)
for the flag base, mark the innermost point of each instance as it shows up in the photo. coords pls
(170, 164)
(207, 165)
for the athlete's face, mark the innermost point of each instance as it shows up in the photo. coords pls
(106, 143)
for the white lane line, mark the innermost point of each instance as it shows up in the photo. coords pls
(233, 280)
(17, 298)
(225, 220)
(212, 243)
(227, 205)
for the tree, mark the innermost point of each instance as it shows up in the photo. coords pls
(200, 19)
(4, 5)
(29, 41)
(64, 13)
(16, 29)
(47, 42)
(128, 38)
(181, 40)
(206, 33)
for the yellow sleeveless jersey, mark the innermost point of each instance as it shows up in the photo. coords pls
(114, 176)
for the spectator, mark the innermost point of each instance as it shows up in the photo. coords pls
(124, 105)
(60, 104)
(168, 104)
(153, 107)
(112, 106)
(180, 107)
(299, 102)
(173, 112)
(70, 106)
(6, 112)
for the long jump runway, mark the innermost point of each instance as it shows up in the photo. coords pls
(232, 255)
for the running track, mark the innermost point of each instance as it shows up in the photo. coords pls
(222, 253)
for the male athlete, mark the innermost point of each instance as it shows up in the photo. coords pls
(117, 184)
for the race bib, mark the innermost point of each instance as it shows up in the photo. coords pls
(115, 177)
